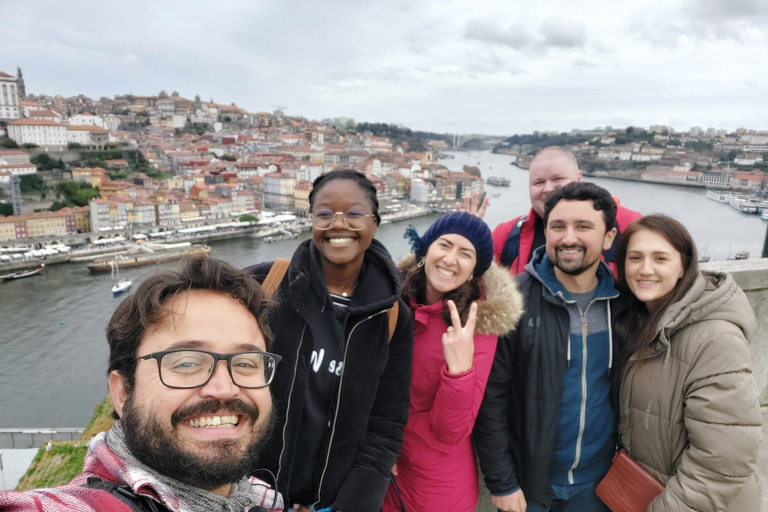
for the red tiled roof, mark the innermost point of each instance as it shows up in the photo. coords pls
(34, 122)
(43, 113)
(77, 128)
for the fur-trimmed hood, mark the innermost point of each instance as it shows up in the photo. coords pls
(502, 306)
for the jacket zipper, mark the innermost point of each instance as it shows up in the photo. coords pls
(583, 412)
(338, 403)
(288, 406)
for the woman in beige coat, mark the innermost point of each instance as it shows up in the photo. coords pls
(688, 401)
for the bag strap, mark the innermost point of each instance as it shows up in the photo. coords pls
(393, 319)
(136, 502)
(275, 276)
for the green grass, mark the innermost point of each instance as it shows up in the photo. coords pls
(64, 460)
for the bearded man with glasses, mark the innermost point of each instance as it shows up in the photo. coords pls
(189, 375)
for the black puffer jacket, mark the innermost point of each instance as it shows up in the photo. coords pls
(370, 408)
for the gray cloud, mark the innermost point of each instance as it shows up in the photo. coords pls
(553, 32)
(487, 31)
(704, 20)
(560, 33)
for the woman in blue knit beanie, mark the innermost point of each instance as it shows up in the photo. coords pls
(461, 302)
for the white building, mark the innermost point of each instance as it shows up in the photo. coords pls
(85, 119)
(17, 169)
(10, 97)
(178, 120)
(112, 122)
(41, 132)
(14, 156)
(166, 107)
(90, 137)
(419, 191)
(50, 115)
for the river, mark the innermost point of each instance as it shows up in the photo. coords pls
(53, 351)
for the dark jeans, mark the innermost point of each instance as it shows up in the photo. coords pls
(573, 498)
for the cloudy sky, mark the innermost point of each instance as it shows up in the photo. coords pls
(459, 66)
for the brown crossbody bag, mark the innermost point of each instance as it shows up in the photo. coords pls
(628, 487)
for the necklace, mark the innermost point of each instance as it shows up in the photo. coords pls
(343, 294)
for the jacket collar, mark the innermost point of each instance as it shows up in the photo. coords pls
(378, 288)
(542, 269)
(713, 296)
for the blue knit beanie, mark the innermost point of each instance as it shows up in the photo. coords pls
(465, 224)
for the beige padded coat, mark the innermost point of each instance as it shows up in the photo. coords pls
(690, 412)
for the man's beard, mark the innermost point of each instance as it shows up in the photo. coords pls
(160, 449)
(574, 267)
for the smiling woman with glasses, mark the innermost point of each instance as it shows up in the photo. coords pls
(341, 396)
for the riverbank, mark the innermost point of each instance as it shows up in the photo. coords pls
(610, 176)
(253, 231)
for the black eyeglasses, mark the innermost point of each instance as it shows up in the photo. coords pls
(185, 368)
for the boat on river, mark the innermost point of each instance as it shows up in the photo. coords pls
(23, 273)
(145, 258)
(122, 285)
(498, 181)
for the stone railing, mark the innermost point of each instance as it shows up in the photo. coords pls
(752, 276)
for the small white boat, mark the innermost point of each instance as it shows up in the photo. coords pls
(122, 285)
(764, 215)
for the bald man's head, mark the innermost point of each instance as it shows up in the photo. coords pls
(552, 167)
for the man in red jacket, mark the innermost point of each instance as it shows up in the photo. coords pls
(514, 241)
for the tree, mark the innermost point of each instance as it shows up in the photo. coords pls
(33, 184)
(472, 171)
(229, 158)
(10, 144)
(74, 146)
(29, 145)
(6, 209)
(84, 196)
(45, 163)
(57, 205)
(248, 218)
(66, 189)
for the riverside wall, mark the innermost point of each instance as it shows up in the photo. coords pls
(752, 276)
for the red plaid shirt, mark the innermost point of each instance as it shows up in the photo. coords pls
(101, 462)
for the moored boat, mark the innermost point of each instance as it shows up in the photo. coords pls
(498, 181)
(23, 273)
(145, 259)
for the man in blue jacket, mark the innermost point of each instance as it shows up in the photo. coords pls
(544, 434)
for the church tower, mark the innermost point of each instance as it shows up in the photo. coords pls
(20, 83)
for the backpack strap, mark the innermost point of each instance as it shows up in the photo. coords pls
(275, 276)
(136, 502)
(392, 314)
(511, 249)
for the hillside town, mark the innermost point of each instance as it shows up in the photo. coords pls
(164, 162)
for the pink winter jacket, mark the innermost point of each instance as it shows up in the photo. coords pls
(436, 467)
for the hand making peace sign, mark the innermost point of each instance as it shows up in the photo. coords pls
(459, 341)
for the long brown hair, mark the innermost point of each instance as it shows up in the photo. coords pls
(415, 287)
(637, 326)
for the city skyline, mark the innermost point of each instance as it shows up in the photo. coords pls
(488, 67)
